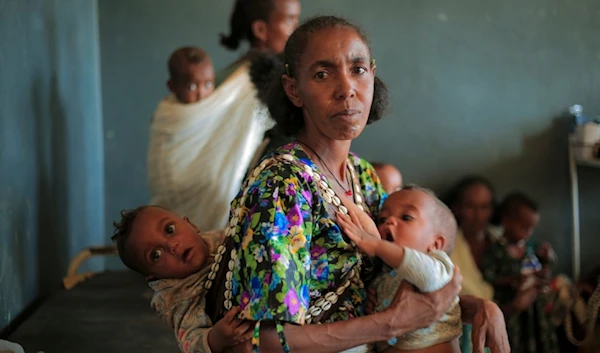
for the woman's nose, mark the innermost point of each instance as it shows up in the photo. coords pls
(345, 86)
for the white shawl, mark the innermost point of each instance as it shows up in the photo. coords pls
(199, 152)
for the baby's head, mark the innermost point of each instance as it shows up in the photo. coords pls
(520, 217)
(414, 217)
(192, 77)
(159, 244)
(390, 176)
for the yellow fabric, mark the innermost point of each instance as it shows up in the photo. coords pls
(473, 282)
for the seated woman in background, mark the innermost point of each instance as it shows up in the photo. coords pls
(472, 201)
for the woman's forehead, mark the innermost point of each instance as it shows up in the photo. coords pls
(335, 45)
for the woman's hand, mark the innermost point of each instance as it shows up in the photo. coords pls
(489, 328)
(353, 228)
(411, 310)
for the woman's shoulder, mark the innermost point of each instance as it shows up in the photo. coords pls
(282, 163)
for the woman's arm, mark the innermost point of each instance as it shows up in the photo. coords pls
(409, 311)
(489, 327)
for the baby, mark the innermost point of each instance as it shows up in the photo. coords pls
(192, 76)
(175, 258)
(390, 176)
(416, 233)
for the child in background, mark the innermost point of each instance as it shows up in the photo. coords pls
(390, 176)
(192, 76)
(416, 233)
(175, 258)
(515, 263)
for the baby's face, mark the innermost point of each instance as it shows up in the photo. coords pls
(521, 225)
(165, 245)
(196, 82)
(405, 219)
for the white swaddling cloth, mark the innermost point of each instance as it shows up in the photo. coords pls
(199, 152)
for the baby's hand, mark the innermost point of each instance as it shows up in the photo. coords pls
(355, 231)
(229, 331)
(546, 253)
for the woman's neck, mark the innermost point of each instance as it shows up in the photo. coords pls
(333, 153)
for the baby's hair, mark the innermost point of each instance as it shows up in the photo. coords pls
(122, 232)
(444, 220)
(185, 56)
(513, 201)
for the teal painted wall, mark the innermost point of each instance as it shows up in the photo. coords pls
(51, 148)
(478, 86)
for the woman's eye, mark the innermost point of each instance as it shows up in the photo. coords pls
(208, 84)
(155, 255)
(360, 70)
(193, 87)
(170, 229)
(321, 75)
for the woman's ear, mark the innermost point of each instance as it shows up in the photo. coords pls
(259, 30)
(290, 87)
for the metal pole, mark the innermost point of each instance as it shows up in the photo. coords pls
(576, 240)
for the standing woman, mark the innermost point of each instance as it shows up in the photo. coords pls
(199, 153)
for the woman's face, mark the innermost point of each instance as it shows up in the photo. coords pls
(334, 84)
(475, 208)
(282, 22)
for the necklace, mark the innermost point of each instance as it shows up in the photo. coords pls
(347, 192)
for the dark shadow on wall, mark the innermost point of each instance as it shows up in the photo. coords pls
(52, 185)
(52, 156)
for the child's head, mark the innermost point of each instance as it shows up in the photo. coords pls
(414, 217)
(519, 215)
(159, 244)
(390, 176)
(192, 77)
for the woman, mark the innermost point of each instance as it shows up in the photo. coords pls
(472, 201)
(199, 153)
(286, 262)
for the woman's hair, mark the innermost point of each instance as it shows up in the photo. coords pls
(266, 72)
(244, 14)
(455, 196)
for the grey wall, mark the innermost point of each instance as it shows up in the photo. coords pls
(478, 86)
(51, 151)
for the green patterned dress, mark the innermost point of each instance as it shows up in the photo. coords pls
(286, 258)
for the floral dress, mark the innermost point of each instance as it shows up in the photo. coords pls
(531, 330)
(286, 260)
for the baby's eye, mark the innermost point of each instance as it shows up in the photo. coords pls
(193, 87)
(170, 229)
(407, 217)
(208, 84)
(381, 220)
(155, 255)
